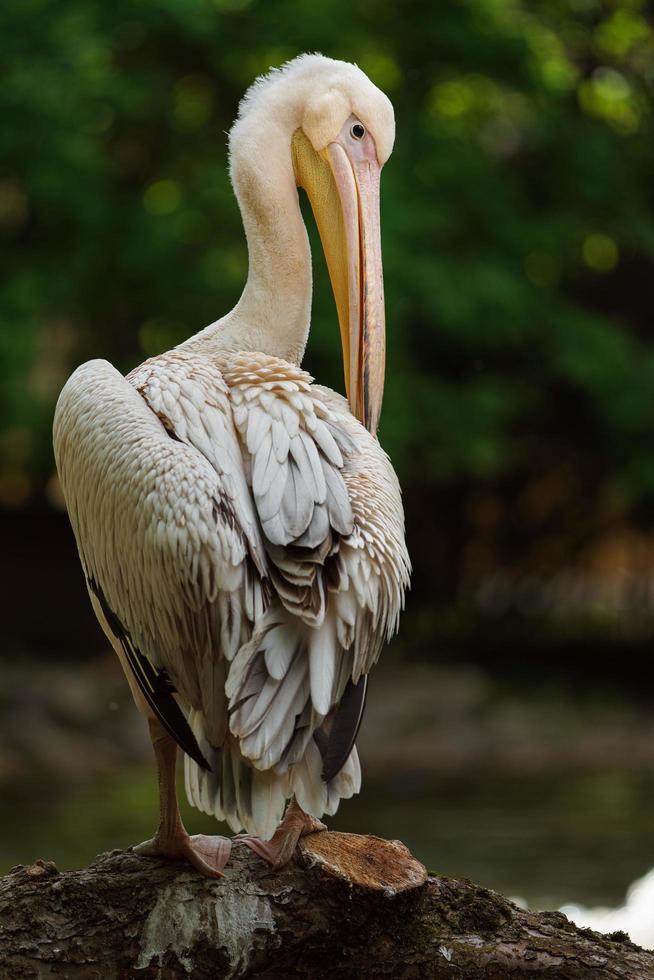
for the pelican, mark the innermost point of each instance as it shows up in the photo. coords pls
(240, 529)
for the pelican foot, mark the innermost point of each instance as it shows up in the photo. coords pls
(279, 850)
(208, 855)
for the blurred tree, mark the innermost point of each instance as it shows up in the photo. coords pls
(518, 220)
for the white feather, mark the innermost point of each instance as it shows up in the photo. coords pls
(173, 530)
(258, 428)
(322, 667)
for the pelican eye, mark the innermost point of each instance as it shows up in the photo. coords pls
(357, 131)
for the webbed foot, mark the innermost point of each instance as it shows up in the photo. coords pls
(279, 850)
(208, 855)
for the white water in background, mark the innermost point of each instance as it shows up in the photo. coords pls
(635, 917)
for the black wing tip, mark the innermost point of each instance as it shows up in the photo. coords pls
(336, 747)
(172, 717)
(332, 767)
(199, 760)
(186, 740)
(332, 762)
(155, 685)
(328, 774)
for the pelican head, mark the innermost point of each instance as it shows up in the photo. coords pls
(340, 130)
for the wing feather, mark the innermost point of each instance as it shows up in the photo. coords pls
(152, 472)
(335, 543)
(249, 535)
(336, 744)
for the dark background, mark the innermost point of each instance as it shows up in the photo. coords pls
(518, 239)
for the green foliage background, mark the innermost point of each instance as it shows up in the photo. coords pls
(518, 222)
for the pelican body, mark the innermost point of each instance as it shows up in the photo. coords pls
(239, 527)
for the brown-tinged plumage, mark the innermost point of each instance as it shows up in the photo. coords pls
(240, 530)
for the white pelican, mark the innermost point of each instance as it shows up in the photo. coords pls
(240, 529)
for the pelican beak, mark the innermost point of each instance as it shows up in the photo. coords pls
(342, 182)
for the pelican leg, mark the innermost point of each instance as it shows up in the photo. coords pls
(208, 854)
(279, 850)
